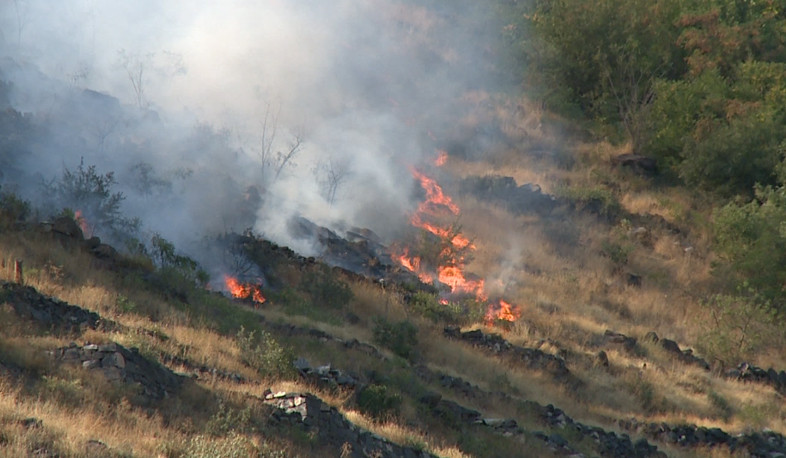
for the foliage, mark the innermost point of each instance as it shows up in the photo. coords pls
(606, 55)
(463, 312)
(325, 288)
(226, 419)
(263, 353)
(233, 446)
(400, 338)
(379, 401)
(173, 264)
(751, 238)
(90, 192)
(741, 325)
(599, 200)
(13, 210)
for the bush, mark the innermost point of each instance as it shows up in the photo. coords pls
(400, 338)
(325, 289)
(88, 191)
(264, 354)
(13, 210)
(464, 312)
(379, 402)
(594, 199)
(741, 326)
(751, 239)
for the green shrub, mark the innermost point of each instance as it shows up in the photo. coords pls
(462, 312)
(597, 200)
(263, 353)
(741, 326)
(400, 338)
(325, 289)
(90, 192)
(227, 419)
(13, 210)
(379, 402)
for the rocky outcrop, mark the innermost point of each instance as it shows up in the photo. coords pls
(758, 444)
(326, 376)
(326, 422)
(50, 313)
(748, 373)
(503, 190)
(609, 443)
(532, 358)
(670, 346)
(120, 364)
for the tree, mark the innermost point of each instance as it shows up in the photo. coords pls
(608, 54)
(90, 192)
(274, 160)
(330, 175)
(136, 66)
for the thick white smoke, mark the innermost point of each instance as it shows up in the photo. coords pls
(195, 104)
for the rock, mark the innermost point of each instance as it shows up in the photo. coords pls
(68, 227)
(639, 164)
(602, 359)
(670, 345)
(651, 337)
(628, 343)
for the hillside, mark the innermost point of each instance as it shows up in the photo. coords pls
(414, 249)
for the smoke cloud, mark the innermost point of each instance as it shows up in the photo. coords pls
(196, 105)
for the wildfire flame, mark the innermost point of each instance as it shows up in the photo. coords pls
(241, 290)
(502, 311)
(82, 222)
(452, 272)
(442, 158)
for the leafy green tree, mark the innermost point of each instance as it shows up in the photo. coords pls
(609, 53)
(751, 240)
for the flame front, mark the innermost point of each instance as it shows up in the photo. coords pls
(502, 311)
(82, 222)
(241, 290)
(451, 273)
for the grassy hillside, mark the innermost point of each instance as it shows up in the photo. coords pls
(614, 253)
(568, 282)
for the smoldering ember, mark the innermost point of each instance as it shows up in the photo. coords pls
(392, 228)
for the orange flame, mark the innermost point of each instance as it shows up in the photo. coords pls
(452, 273)
(502, 311)
(244, 290)
(442, 158)
(434, 195)
(82, 222)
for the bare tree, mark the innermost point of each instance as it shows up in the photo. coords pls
(330, 175)
(135, 66)
(279, 160)
(22, 10)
